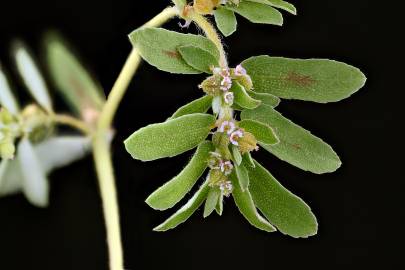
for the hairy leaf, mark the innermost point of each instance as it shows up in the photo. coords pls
(262, 132)
(297, 146)
(237, 157)
(219, 208)
(283, 209)
(246, 206)
(242, 98)
(283, 5)
(243, 176)
(265, 98)
(186, 211)
(198, 58)
(174, 190)
(225, 20)
(317, 80)
(169, 138)
(212, 200)
(258, 13)
(200, 105)
(159, 47)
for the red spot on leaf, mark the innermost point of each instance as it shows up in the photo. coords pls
(172, 54)
(299, 79)
(296, 146)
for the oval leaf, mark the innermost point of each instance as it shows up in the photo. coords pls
(242, 98)
(317, 80)
(237, 157)
(82, 93)
(243, 176)
(262, 132)
(283, 5)
(212, 201)
(169, 138)
(159, 47)
(174, 190)
(265, 98)
(200, 105)
(287, 212)
(186, 211)
(198, 58)
(258, 13)
(7, 99)
(35, 184)
(225, 20)
(247, 207)
(297, 146)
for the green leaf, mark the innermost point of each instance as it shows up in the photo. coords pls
(34, 182)
(212, 200)
(317, 80)
(169, 138)
(258, 13)
(243, 176)
(159, 47)
(243, 200)
(283, 5)
(72, 80)
(198, 58)
(283, 209)
(31, 76)
(248, 160)
(262, 132)
(237, 157)
(242, 98)
(200, 105)
(265, 98)
(174, 190)
(7, 99)
(186, 211)
(219, 208)
(297, 146)
(225, 20)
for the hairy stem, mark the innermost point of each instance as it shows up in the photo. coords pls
(102, 153)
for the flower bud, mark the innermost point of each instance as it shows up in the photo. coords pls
(211, 85)
(247, 143)
(215, 177)
(37, 123)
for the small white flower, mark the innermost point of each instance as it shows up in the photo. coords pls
(226, 83)
(228, 98)
(235, 136)
(227, 126)
(226, 167)
(215, 161)
(226, 188)
(240, 71)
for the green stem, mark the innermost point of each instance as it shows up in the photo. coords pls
(102, 153)
(73, 122)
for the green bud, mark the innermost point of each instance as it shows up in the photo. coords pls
(211, 85)
(215, 177)
(37, 123)
(7, 150)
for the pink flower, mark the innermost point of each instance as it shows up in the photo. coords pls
(226, 188)
(227, 126)
(226, 167)
(240, 71)
(226, 83)
(228, 98)
(235, 136)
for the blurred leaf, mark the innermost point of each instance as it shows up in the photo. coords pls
(246, 206)
(242, 98)
(198, 58)
(242, 176)
(31, 76)
(174, 190)
(212, 200)
(265, 98)
(297, 146)
(83, 94)
(317, 80)
(200, 105)
(159, 47)
(283, 209)
(258, 13)
(186, 211)
(169, 138)
(35, 184)
(219, 208)
(225, 20)
(7, 99)
(262, 132)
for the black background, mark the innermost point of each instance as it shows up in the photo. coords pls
(359, 208)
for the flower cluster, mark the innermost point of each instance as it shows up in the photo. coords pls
(220, 170)
(9, 131)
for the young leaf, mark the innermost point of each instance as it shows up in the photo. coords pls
(225, 20)
(265, 98)
(35, 183)
(7, 99)
(212, 200)
(237, 157)
(186, 211)
(169, 138)
(258, 13)
(174, 190)
(198, 58)
(262, 132)
(219, 208)
(246, 206)
(159, 47)
(242, 98)
(31, 76)
(243, 176)
(200, 105)
(283, 209)
(317, 80)
(297, 146)
(83, 94)
(283, 5)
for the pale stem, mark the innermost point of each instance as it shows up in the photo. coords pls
(72, 122)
